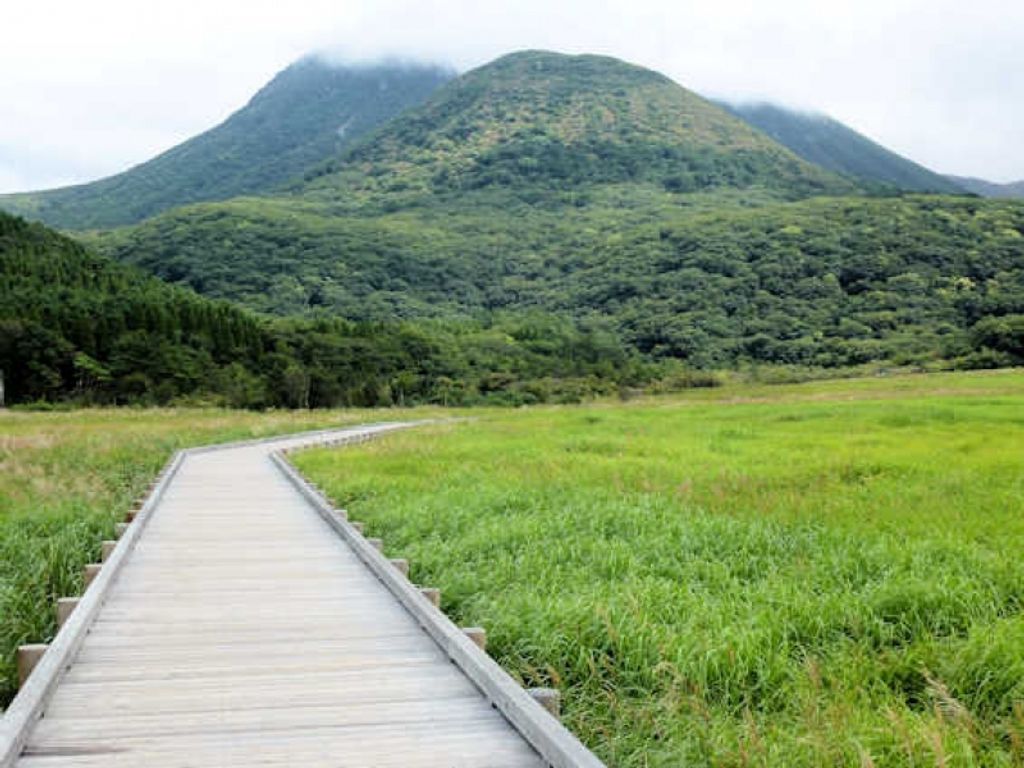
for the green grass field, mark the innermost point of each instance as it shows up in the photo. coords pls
(821, 574)
(66, 478)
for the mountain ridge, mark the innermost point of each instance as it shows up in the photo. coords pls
(822, 140)
(309, 110)
(1010, 190)
(257, 157)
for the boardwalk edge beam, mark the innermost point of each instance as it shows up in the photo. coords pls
(28, 705)
(558, 746)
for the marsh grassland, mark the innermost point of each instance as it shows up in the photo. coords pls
(822, 574)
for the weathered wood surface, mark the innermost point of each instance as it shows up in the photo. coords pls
(240, 630)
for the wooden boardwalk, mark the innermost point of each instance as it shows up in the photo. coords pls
(240, 629)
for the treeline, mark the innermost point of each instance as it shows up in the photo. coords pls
(80, 327)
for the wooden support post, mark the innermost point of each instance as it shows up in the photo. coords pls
(402, 565)
(28, 657)
(478, 635)
(549, 698)
(90, 572)
(65, 605)
(106, 550)
(119, 529)
(377, 544)
(432, 594)
(358, 527)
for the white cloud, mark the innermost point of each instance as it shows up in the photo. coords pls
(96, 87)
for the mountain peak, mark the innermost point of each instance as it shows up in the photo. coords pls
(528, 62)
(538, 118)
(311, 110)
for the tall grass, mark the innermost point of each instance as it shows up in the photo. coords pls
(825, 574)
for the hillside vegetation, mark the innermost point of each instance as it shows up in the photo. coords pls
(538, 121)
(823, 575)
(826, 282)
(80, 327)
(594, 190)
(311, 110)
(828, 143)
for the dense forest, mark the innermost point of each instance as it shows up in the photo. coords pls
(79, 327)
(824, 282)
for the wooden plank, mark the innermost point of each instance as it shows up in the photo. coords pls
(126, 656)
(434, 747)
(120, 640)
(70, 731)
(368, 738)
(285, 669)
(121, 699)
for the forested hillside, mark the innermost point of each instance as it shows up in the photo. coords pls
(829, 282)
(828, 143)
(310, 111)
(77, 326)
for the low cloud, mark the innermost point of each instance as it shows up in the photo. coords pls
(112, 82)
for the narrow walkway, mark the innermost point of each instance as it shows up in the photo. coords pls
(243, 631)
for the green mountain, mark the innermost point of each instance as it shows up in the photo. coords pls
(556, 137)
(604, 194)
(828, 143)
(538, 122)
(1013, 190)
(308, 112)
(509, 156)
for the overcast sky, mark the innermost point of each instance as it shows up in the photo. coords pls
(91, 87)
